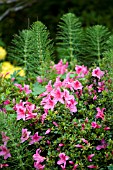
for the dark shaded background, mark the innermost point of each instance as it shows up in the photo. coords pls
(91, 12)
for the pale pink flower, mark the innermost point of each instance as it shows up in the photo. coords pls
(81, 70)
(26, 89)
(37, 157)
(92, 166)
(25, 135)
(58, 95)
(4, 152)
(39, 79)
(77, 85)
(4, 138)
(50, 104)
(49, 87)
(90, 157)
(60, 68)
(35, 138)
(100, 113)
(58, 83)
(63, 159)
(48, 131)
(95, 125)
(97, 73)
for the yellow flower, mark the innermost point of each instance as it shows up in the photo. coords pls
(7, 67)
(2, 53)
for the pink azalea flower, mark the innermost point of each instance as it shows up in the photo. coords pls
(3, 165)
(21, 111)
(39, 79)
(100, 113)
(49, 87)
(50, 104)
(38, 166)
(60, 68)
(68, 82)
(58, 95)
(58, 83)
(37, 157)
(48, 131)
(95, 125)
(26, 89)
(63, 159)
(90, 157)
(81, 70)
(92, 166)
(25, 135)
(75, 167)
(71, 104)
(95, 97)
(19, 86)
(4, 152)
(4, 138)
(77, 85)
(35, 138)
(107, 128)
(101, 86)
(97, 73)
(61, 144)
(7, 102)
(103, 145)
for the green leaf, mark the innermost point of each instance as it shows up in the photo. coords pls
(38, 89)
(110, 167)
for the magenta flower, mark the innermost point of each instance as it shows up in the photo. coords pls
(7, 102)
(19, 86)
(81, 71)
(85, 141)
(95, 125)
(63, 159)
(54, 123)
(79, 146)
(71, 104)
(97, 73)
(77, 85)
(39, 79)
(92, 166)
(90, 157)
(35, 138)
(50, 104)
(4, 152)
(75, 167)
(100, 113)
(4, 138)
(3, 165)
(25, 135)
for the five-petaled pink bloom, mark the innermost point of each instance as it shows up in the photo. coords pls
(4, 152)
(100, 113)
(25, 135)
(97, 73)
(39, 159)
(35, 138)
(63, 159)
(81, 70)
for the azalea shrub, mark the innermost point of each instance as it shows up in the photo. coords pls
(61, 123)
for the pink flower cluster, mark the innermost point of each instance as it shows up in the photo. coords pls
(4, 151)
(25, 110)
(25, 88)
(60, 68)
(39, 159)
